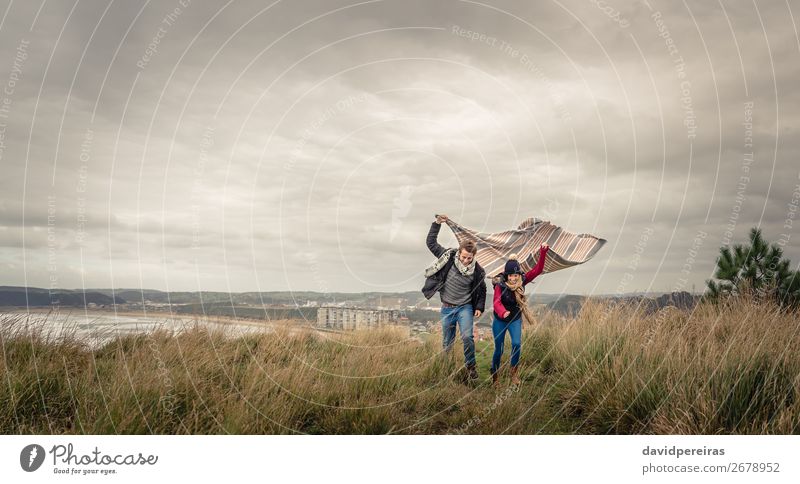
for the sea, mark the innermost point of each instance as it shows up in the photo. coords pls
(96, 328)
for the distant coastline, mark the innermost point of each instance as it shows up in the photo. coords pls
(289, 305)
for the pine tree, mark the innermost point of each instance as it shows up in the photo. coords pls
(758, 268)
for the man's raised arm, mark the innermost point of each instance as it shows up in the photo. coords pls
(433, 234)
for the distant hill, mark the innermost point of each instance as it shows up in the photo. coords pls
(567, 305)
(570, 305)
(292, 298)
(38, 297)
(270, 298)
(253, 304)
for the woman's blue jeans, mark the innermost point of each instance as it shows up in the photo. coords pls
(499, 329)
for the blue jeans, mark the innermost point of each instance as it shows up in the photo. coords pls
(463, 315)
(499, 329)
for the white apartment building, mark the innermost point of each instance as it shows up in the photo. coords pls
(333, 317)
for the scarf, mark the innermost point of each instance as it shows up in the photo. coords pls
(467, 270)
(522, 301)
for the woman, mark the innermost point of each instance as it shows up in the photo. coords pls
(510, 306)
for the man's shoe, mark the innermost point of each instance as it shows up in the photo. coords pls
(495, 380)
(514, 377)
(473, 372)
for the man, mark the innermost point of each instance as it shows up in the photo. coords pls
(458, 278)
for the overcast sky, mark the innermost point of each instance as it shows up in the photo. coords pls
(306, 145)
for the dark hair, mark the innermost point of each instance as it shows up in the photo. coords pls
(469, 246)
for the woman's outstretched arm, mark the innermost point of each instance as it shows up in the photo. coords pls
(531, 274)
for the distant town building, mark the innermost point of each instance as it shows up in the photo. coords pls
(349, 318)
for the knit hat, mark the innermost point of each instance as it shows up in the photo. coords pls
(512, 266)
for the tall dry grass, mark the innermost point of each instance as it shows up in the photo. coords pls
(731, 368)
(727, 368)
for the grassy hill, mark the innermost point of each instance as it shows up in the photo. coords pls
(732, 368)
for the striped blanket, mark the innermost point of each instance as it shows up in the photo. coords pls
(566, 249)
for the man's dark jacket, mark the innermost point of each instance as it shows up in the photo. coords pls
(435, 282)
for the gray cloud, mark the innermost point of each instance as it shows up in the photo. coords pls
(266, 149)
